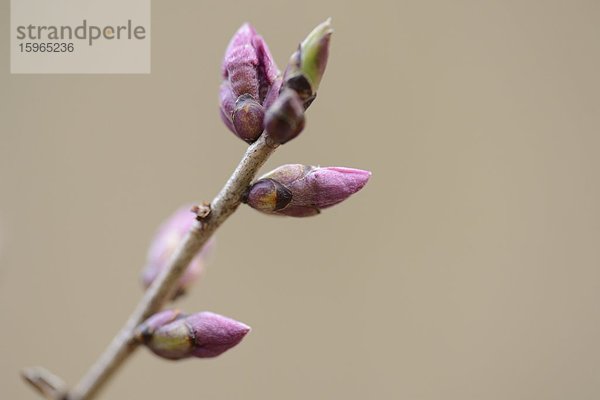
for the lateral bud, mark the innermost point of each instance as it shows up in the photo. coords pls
(166, 240)
(298, 190)
(173, 335)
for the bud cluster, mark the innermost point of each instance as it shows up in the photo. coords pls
(253, 95)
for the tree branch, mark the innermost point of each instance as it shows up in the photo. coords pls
(49, 385)
(164, 286)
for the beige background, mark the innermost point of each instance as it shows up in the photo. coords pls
(469, 267)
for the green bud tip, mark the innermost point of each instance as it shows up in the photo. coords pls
(315, 51)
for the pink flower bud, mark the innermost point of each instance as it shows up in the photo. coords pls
(285, 119)
(168, 237)
(298, 190)
(175, 336)
(248, 70)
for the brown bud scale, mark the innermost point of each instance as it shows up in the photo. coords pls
(302, 87)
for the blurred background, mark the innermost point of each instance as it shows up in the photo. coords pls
(468, 268)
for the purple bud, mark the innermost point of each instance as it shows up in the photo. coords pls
(307, 65)
(285, 118)
(169, 235)
(248, 70)
(175, 336)
(298, 190)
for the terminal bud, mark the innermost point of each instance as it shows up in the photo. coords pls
(250, 84)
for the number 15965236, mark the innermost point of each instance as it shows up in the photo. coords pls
(46, 47)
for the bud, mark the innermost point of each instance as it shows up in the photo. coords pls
(298, 190)
(307, 65)
(168, 237)
(285, 118)
(251, 83)
(175, 336)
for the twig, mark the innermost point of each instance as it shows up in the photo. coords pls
(223, 205)
(48, 384)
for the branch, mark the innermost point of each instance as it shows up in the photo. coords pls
(48, 384)
(223, 205)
